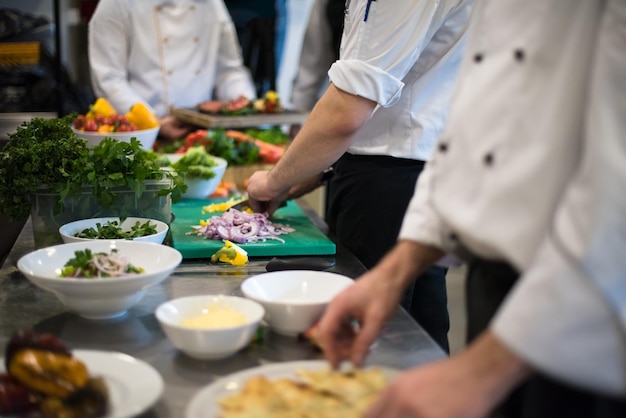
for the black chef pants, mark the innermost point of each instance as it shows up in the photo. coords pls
(367, 199)
(486, 286)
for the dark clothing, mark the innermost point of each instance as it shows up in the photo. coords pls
(541, 397)
(335, 14)
(367, 199)
(256, 25)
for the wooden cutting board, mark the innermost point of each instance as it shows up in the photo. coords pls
(306, 240)
(209, 120)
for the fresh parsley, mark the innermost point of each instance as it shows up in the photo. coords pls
(46, 155)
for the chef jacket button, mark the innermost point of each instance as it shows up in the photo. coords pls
(196, 39)
(443, 147)
(166, 40)
(158, 8)
(197, 72)
(488, 159)
(192, 8)
(519, 54)
(170, 72)
(478, 57)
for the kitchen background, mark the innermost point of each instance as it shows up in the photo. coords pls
(71, 17)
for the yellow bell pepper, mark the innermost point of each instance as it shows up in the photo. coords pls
(142, 117)
(271, 96)
(48, 372)
(102, 107)
(223, 206)
(232, 254)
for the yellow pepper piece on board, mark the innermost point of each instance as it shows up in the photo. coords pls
(102, 107)
(223, 206)
(142, 117)
(232, 254)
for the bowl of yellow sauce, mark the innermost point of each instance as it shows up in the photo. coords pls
(210, 326)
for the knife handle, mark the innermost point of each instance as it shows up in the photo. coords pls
(300, 263)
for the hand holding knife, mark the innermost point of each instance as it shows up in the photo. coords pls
(295, 192)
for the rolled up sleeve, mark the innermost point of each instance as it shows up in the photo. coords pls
(362, 79)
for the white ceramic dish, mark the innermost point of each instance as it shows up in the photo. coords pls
(199, 188)
(147, 137)
(134, 385)
(68, 230)
(294, 299)
(106, 297)
(208, 343)
(205, 403)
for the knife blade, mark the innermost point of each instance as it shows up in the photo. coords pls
(245, 205)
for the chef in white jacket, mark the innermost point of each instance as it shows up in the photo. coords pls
(528, 180)
(165, 53)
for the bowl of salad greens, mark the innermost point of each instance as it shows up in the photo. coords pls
(100, 279)
(201, 171)
(131, 228)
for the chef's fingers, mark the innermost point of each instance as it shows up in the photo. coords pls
(336, 339)
(365, 337)
(257, 206)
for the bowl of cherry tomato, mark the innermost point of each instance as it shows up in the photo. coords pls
(117, 126)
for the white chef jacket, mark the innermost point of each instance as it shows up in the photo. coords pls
(316, 57)
(531, 169)
(165, 53)
(405, 56)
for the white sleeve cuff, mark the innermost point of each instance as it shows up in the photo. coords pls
(362, 79)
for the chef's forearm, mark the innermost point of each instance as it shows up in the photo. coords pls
(325, 136)
(407, 260)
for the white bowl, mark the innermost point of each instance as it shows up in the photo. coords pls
(147, 137)
(106, 297)
(199, 188)
(208, 343)
(68, 230)
(294, 299)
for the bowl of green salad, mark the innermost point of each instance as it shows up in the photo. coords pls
(115, 228)
(201, 171)
(99, 279)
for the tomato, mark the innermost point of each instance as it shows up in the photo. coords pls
(125, 127)
(79, 122)
(90, 125)
(198, 137)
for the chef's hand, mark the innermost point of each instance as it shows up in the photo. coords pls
(173, 129)
(355, 316)
(371, 301)
(262, 197)
(468, 385)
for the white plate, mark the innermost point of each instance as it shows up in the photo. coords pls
(205, 403)
(133, 384)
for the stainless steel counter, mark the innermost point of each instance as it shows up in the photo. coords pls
(402, 344)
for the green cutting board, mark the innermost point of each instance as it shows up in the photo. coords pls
(307, 239)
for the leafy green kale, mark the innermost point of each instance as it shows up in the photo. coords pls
(236, 153)
(273, 135)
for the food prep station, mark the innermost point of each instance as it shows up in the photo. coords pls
(402, 344)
